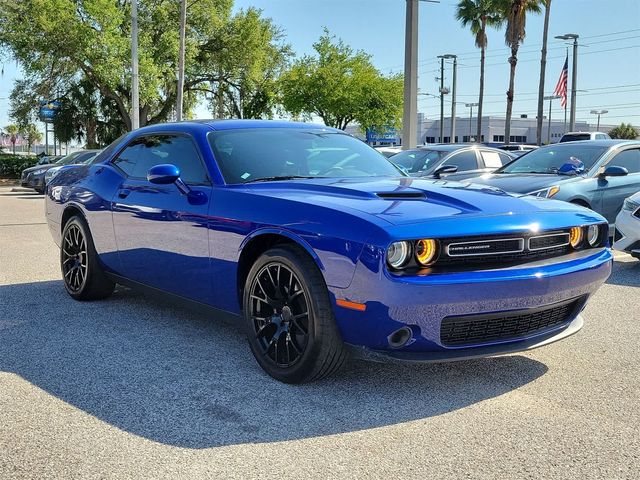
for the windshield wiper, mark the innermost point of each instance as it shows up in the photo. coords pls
(280, 177)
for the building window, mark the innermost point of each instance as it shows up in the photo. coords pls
(498, 138)
(430, 140)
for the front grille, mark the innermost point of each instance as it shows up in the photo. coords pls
(469, 330)
(501, 250)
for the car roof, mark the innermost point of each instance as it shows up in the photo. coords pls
(598, 143)
(231, 124)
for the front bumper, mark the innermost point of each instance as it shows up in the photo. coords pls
(33, 181)
(423, 302)
(627, 234)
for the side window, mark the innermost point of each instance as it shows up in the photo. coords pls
(146, 152)
(504, 158)
(491, 159)
(629, 159)
(464, 161)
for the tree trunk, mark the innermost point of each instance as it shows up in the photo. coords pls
(513, 60)
(481, 94)
(543, 66)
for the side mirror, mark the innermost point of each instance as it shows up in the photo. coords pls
(165, 174)
(445, 169)
(614, 171)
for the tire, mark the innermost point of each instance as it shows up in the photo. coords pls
(39, 190)
(82, 274)
(288, 345)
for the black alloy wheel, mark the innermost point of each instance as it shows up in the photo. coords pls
(83, 276)
(74, 258)
(280, 313)
(289, 317)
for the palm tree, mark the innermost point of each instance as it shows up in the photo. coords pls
(33, 136)
(516, 15)
(543, 66)
(13, 131)
(625, 130)
(480, 14)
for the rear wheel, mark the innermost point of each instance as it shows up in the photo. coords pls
(289, 319)
(82, 274)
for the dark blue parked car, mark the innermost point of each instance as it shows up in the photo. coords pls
(323, 246)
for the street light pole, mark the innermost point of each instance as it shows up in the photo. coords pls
(135, 99)
(599, 112)
(453, 100)
(441, 99)
(550, 98)
(574, 76)
(183, 26)
(410, 114)
(470, 106)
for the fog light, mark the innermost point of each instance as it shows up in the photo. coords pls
(398, 254)
(593, 235)
(426, 251)
(575, 237)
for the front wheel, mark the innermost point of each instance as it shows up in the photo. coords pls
(289, 319)
(82, 274)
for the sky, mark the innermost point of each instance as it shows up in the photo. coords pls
(608, 59)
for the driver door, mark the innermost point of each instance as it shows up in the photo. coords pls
(161, 233)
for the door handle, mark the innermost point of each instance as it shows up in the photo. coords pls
(124, 193)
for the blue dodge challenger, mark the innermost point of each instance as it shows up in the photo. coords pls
(324, 247)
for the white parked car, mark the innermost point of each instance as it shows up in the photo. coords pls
(578, 136)
(627, 234)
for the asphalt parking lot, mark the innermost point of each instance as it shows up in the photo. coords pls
(132, 387)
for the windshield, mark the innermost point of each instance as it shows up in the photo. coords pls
(550, 159)
(69, 158)
(418, 160)
(247, 155)
(575, 137)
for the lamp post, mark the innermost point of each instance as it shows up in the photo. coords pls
(574, 73)
(410, 108)
(598, 113)
(470, 106)
(550, 98)
(449, 56)
(135, 99)
(181, 49)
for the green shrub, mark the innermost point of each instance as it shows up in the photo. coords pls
(11, 166)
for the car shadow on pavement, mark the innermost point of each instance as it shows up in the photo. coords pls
(182, 378)
(626, 273)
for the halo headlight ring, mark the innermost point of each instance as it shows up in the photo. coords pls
(398, 254)
(426, 251)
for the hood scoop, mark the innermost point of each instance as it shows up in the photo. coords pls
(414, 195)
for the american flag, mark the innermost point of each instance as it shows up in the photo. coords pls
(561, 87)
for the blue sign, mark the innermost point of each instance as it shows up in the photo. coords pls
(48, 110)
(390, 135)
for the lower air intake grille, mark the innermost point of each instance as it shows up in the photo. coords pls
(484, 328)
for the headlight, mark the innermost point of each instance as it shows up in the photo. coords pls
(630, 205)
(398, 253)
(575, 237)
(38, 172)
(426, 250)
(593, 235)
(545, 192)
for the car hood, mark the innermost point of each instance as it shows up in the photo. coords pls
(407, 200)
(522, 182)
(39, 167)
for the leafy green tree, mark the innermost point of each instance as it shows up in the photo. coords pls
(515, 12)
(341, 86)
(66, 39)
(478, 15)
(624, 130)
(247, 55)
(33, 135)
(13, 131)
